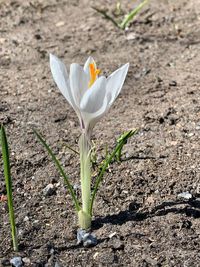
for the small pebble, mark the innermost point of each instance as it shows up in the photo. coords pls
(185, 195)
(95, 255)
(80, 235)
(26, 260)
(90, 241)
(145, 71)
(76, 186)
(26, 219)
(16, 262)
(198, 128)
(159, 79)
(85, 238)
(173, 83)
(190, 134)
(64, 214)
(117, 244)
(131, 36)
(60, 23)
(112, 234)
(49, 190)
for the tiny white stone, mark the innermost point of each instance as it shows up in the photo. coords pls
(26, 218)
(112, 234)
(185, 195)
(16, 262)
(26, 260)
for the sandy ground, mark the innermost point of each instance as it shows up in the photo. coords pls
(137, 201)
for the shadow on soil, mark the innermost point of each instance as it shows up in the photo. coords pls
(191, 208)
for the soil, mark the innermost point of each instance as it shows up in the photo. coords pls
(139, 220)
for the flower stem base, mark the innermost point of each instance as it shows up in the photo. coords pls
(84, 219)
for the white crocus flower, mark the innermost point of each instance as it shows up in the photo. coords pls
(90, 96)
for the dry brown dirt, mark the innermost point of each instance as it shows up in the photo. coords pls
(137, 202)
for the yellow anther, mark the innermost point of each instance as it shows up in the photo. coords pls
(93, 73)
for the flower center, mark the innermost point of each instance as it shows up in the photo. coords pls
(94, 72)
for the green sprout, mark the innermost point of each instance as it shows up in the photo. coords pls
(123, 140)
(128, 17)
(60, 169)
(88, 196)
(8, 181)
(107, 161)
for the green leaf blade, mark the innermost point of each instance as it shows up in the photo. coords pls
(8, 181)
(120, 143)
(129, 17)
(60, 169)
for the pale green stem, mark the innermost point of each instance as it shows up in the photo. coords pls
(84, 214)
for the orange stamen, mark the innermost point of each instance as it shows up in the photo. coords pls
(93, 73)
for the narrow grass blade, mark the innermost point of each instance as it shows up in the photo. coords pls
(129, 17)
(70, 148)
(106, 16)
(59, 167)
(8, 180)
(107, 161)
(123, 140)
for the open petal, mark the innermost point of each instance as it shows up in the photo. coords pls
(78, 82)
(93, 98)
(115, 82)
(89, 61)
(60, 77)
(90, 119)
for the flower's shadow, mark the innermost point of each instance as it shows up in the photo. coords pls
(190, 208)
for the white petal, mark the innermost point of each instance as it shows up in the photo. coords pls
(115, 82)
(114, 85)
(93, 98)
(90, 119)
(78, 82)
(87, 63)
(60, 77)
